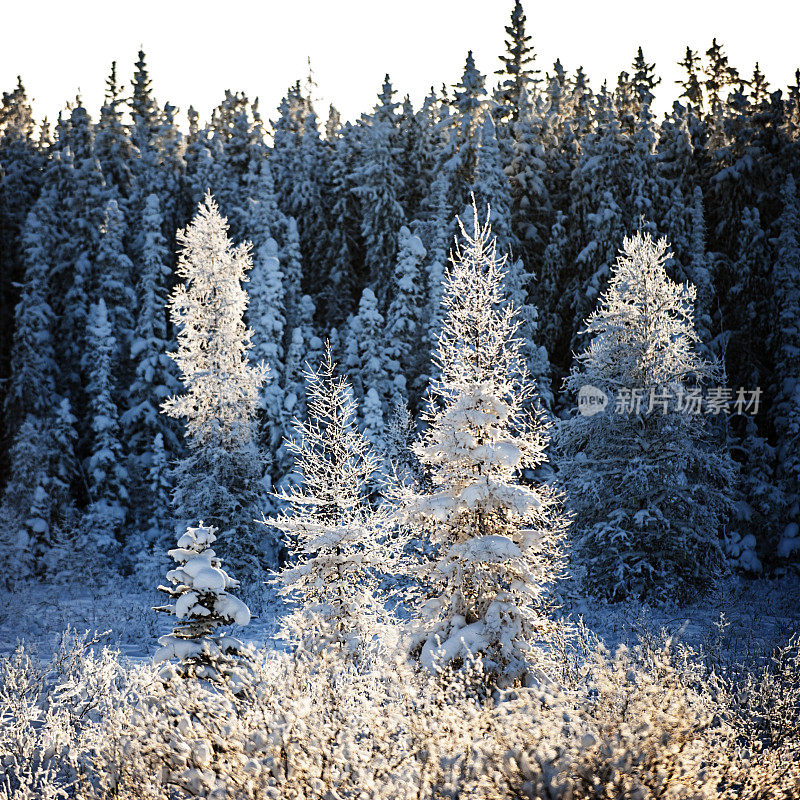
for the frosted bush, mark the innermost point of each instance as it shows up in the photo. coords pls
(650, 721)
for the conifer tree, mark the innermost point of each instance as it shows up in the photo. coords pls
(405, 315)
(437, 235)
(202, 603)
(787, 340)
(497, 541)
(33, 363)
(598, 203)
(154, 376)
(379, 190)
(21, 177)
(113, 271)
(665, 484)
(519, 79)
(105, 469)
(25, 527)
(491, 186)
(692, 86)
(220, 477)
(643, 81)
(345, 229)
(112, 141)
(719, 74)
(292, 268)
(85, 193)
(336, 541)
(462, 153)
(159, 484)
(267, 317)
(368, 336)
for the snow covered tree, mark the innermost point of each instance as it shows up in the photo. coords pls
(157, 144)
(113, 272)
(719, 75)
(462, 153)
(202, 603)
(405, 315)
(38, 511)
(106, 473)
(650, 488)
(379, 190)
(345, 228)
(367, 362)
(267, 316)
(159, 483)
(220, 477)
(154, 371)
(221, 385)
(491, 186)
(336, 541)
(643, 81)
(112, 143)
(437, 236)
(497, 540)
(21, 177)
(292, 268)
(519, 79)
(84, 191)
(692, 86)
(25, 527)
(401, 465)
(787, 338)
(33, 364)
(598, 191)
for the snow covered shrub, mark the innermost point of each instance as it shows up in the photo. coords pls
(498, 540)
(163, 741)
(338, 543)
(202, 603)
(220, 478)
(647, 722)
(651, 491)
(46, 707)
(763, 706)
(640, 724)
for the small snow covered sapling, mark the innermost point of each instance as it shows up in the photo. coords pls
(336, 540)
(202, 604)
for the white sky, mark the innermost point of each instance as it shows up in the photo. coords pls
(195, 50)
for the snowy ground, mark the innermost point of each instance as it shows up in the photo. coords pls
(757, 614)
(40, 613)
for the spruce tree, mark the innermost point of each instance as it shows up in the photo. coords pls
(405, 315)
(201, 602)
(497, 541)
(650, 488)
(379, 190)
(154, 376)
(337, 543)
(462, 151)
(219, 479)
(786, 417)
(519, 79)
(106, 474)
(112, 141)
(21, 177)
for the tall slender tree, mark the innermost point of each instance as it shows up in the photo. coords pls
(497, 542)
(220, 477)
